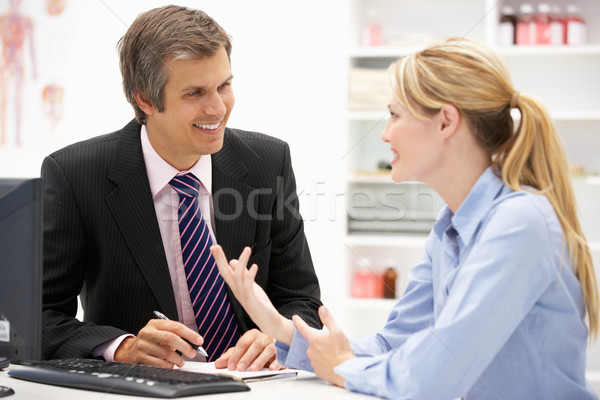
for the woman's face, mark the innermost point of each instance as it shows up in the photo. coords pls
(416, 144)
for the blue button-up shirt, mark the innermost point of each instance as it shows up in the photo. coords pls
(494, 310)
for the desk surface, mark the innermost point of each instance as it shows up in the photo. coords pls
(305, 386)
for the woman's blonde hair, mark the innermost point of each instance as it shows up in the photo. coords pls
(468, 75)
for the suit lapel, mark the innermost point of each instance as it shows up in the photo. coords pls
(133, 209)
(234, 225)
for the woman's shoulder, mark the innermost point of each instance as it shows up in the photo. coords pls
(528, 209)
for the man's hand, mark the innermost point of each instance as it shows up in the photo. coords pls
(325, 351)
(253, 351)
(251, 296)
(157, 344)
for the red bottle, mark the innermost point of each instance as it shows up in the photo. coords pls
(575, 29)
(365, 281)
(526, 25)
(542, 24)
(371, 35)
(556, 26)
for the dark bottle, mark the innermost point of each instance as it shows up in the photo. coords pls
(389, 283)
(507, 27)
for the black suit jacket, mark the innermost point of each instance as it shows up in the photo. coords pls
(102, 240)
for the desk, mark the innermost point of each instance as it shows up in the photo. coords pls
(305, 386)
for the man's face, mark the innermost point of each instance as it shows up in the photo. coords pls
(198, 99)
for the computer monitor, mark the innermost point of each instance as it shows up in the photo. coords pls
(20, 268)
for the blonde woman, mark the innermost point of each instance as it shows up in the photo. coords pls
(505, 299)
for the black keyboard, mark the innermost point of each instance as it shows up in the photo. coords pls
(120, 378)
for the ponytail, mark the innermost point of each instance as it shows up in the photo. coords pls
(535, 157)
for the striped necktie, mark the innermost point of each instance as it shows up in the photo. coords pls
(214, 316)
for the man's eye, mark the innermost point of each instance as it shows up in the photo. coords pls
(194, 93)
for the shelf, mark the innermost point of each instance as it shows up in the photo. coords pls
(552, 51)
(591, 180)
(393, 52)
(375, 177)
(371, 304)
(406, 240)
(391, 240)
(368, 115)
(558, 115)
(575, 115)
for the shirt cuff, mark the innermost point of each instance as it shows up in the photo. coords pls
(347, 370)
(108, 349)
(294, 356)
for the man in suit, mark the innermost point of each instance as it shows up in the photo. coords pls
(111, 211)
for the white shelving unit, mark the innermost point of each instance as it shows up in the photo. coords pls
(566, 78)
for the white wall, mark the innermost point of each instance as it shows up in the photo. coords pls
(289, 65)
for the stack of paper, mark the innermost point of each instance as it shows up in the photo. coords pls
(369, 89)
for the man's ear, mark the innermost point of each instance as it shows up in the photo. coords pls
(144, 104)
(449, 120)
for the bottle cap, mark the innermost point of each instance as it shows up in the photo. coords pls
(544, 8)
(508, 10)
(572, 9)
(372, 14)
(363, 263)
(556, 10)
(526, 8)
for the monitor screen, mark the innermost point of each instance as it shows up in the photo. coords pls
(20, 268)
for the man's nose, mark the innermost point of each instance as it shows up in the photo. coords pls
(214, 105)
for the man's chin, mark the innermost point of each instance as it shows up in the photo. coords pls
(213, 147)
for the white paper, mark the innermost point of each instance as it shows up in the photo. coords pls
(246, 376)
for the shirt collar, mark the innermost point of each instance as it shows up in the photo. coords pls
(473, 209)
(161, 172)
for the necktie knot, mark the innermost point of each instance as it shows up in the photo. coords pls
(186, 185)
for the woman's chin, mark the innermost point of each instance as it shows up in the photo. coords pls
(397, 177)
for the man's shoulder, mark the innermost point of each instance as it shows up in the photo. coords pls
(249, 145)
(94, 145)
(251, 138)
(90, 144)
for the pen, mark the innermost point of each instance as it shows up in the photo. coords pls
(199, 349)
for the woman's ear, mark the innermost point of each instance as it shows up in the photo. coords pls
(144, 104)
(449, 120)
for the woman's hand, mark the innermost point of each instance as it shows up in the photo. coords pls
(328, 350)
(252, 297)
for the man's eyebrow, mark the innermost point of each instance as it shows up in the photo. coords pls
(194, 88)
